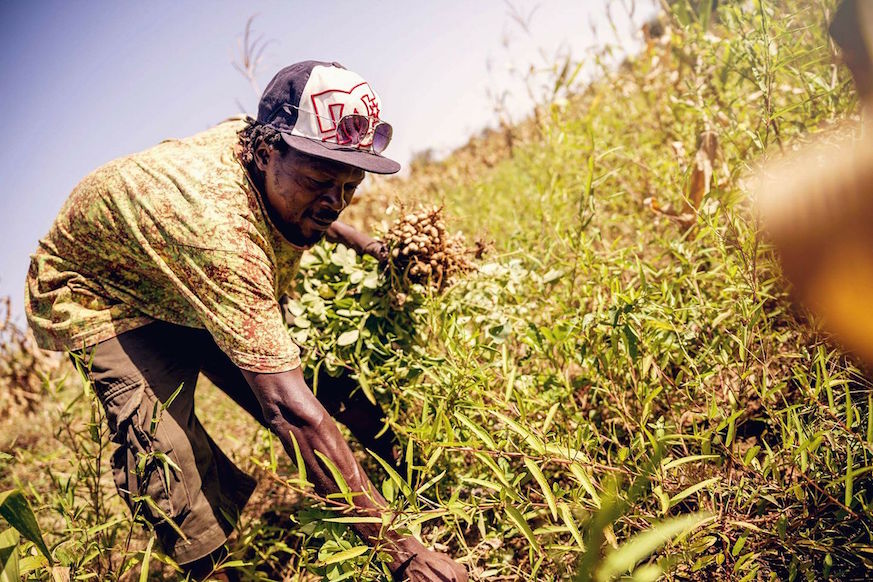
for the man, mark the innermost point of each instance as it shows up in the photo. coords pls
(816, 203)
(851, 28)
(168, 263)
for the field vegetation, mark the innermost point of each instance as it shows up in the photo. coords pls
(612, 384)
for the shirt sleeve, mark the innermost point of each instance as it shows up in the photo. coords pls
(232, 293)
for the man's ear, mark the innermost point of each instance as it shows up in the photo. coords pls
(262, 156)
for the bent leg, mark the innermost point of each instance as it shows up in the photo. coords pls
(166, 468)
(339, 396)
(346, 402)
(224, 374)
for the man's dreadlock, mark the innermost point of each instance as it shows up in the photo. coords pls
(253, 134)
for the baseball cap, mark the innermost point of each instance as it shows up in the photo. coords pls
(305, 102)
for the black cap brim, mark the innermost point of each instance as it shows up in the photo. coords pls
(366, 161)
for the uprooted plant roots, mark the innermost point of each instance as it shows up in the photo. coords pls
(421, 251)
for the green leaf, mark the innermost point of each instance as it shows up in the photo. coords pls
(9, 556)
(147, 499)
(544, 486)
(146, 558)
(522, 525)
(632, 341)
(172, 397)
(705, 14)
(477, 430)
(15, 509)
(498, 472)
(347, 338)
(395, 477)
(28, 564)
(91, 531)
(550, 416)
(692, 490)
(346, 555)
(338, 478)
(298, 458)
(585, 480)
(365, 387)
(850, 481)
(410, 450)
(353, 519)
(235, 564)
(689, 459)
(738, 546)
(535, 443)
(570, 522)
(644, 544)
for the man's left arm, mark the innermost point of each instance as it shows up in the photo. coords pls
(340, 232)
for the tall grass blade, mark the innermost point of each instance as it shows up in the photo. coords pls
(642, 545)
(146, 559)
(15, 509)
(544, 486)
(9, 571)
(338, 478)
(522, 525)
(349, 554)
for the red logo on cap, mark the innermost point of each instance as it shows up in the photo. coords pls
(330, 106)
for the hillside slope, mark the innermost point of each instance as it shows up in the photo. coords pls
(630, 335)
(621, 384)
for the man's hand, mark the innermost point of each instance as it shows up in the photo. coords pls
(428, 566)
(340, 232)
(378, 250)
(291, 410)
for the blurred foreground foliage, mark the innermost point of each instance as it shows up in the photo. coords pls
(621, 387)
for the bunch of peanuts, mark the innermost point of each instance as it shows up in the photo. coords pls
(422, 252)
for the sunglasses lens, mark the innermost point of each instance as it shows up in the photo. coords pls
(382, 137)
(352, 129)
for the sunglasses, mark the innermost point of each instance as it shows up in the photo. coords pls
(355, 130)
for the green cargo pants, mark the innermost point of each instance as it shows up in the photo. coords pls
(166, 467)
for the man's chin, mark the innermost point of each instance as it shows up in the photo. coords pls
(311, 239)
(302, 237)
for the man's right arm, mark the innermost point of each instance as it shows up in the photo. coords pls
(290, 408)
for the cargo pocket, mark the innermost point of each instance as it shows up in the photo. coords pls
(145, 467)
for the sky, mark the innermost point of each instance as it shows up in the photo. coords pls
(88, 81)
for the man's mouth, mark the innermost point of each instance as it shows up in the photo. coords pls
(322, 221)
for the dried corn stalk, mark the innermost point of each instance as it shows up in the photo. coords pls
(23, 367)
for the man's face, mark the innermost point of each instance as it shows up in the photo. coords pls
(305, 194)
(862, 71)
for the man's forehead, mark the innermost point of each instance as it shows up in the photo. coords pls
(329, 167)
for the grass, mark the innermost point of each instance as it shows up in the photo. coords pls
(612, 392)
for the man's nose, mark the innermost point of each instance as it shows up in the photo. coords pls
(334, 199)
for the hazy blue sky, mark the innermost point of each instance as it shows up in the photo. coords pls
(87, 81)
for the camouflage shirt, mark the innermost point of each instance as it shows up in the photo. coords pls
(176, 233)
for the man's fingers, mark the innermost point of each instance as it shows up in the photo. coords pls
(434, 567)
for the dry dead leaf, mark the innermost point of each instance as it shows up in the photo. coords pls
(684, 219)
(700, 183)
